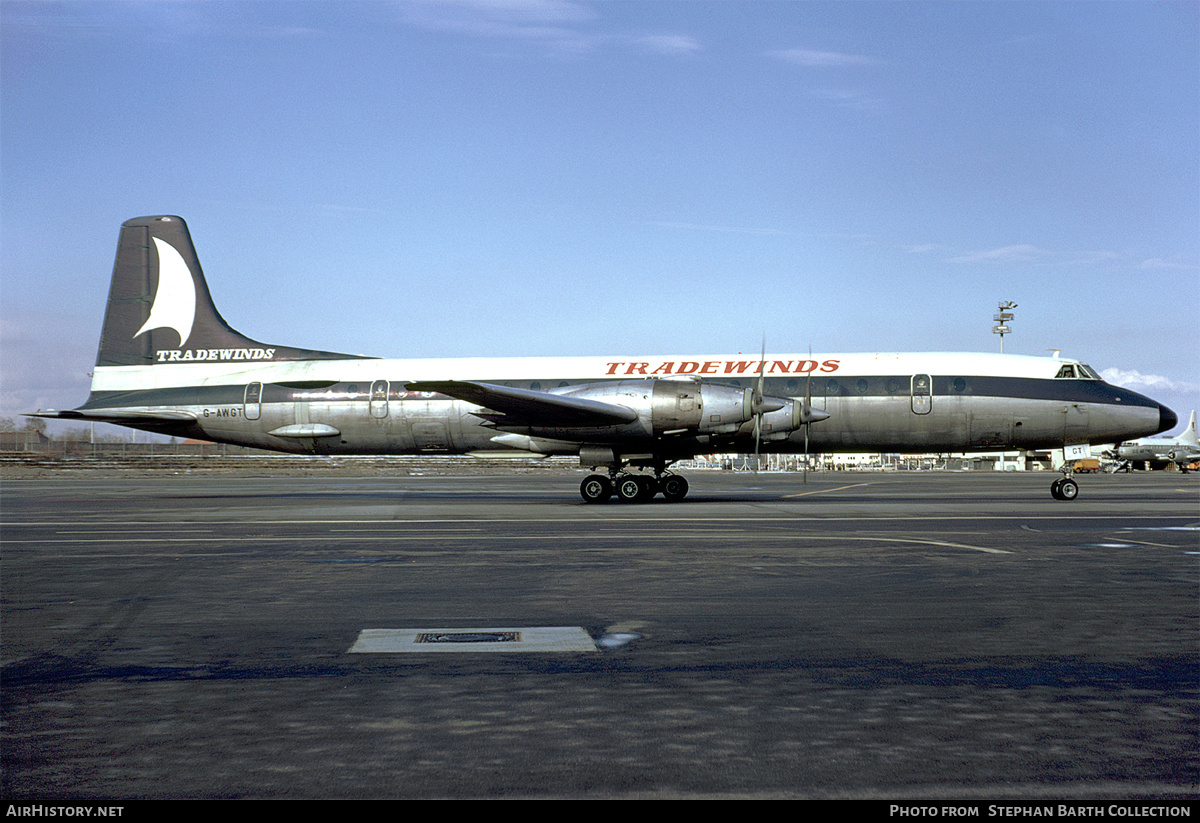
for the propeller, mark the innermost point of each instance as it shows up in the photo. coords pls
(757, 406)
(809, 415)
(761, 405)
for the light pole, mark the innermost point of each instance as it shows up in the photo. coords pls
(1002, 317)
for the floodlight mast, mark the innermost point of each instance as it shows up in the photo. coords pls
(1002, 317)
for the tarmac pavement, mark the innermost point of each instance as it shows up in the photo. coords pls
(864, 635)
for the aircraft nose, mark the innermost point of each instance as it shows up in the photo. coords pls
(1166, 419)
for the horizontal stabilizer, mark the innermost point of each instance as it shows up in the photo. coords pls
(528, 407)
(120, 418)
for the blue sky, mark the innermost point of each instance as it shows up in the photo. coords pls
(541, 177)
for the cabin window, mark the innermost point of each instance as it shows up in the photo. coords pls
(959, 384)
(832, 387)
(1067, 371)
(1088, 372)
(893, 385)
(861, 385)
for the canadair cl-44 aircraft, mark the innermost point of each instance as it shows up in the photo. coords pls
(168, 363)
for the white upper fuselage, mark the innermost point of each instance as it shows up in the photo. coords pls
(715, 368)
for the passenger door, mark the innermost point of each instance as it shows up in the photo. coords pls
(922, 394)
(379, 399)
(252, 401)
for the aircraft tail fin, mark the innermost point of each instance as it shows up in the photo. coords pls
(1189, 435)
(160, 310)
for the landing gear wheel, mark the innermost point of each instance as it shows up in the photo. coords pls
(1065, 489)
(635, 488)
(1068, 489)
(674, 487)
(596, 488)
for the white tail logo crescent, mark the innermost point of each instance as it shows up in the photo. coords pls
(175, 300)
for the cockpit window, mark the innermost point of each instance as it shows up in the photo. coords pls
(1077, 371)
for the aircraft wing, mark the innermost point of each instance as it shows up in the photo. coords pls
(527, 407)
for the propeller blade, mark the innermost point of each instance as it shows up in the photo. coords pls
(805, 454)
(807, 411)
(757, 404)
(757, 440)
(759, 383)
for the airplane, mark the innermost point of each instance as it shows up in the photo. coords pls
(1182, 450)
(168, 363)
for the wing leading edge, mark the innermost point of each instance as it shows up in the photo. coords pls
(527, 407)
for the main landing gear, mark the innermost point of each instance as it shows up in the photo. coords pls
(633, 488)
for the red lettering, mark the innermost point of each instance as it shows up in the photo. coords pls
(806, 366)
(780, 365)
(710, 367)
(688, 367)
(612, 368)
(830, 365)
(637, 368)
(739, 366)
(664, 368)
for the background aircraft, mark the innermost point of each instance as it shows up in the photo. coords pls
(1158, 452)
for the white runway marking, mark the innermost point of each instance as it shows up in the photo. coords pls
(523, 639)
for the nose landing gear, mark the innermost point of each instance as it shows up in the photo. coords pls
(1064, 489)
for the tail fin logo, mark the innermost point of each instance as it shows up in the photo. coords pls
(174, 304)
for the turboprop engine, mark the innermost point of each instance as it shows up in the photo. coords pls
(779, 424)
(668, 407)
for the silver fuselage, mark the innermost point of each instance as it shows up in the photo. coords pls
(922, 402)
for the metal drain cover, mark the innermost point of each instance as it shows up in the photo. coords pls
(522, 639)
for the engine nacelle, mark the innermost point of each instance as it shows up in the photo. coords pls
(779, 424)
(667, 407)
